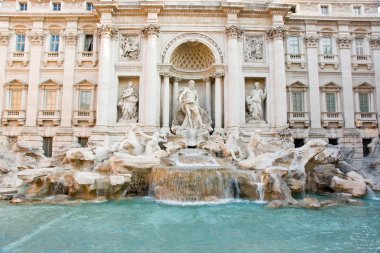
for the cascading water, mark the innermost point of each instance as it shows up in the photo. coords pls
(371, 194)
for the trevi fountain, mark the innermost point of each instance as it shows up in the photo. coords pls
(186, 127)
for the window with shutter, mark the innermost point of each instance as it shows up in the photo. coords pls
(330, 102)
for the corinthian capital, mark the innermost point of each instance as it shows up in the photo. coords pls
(344, 41)
(234, 31)
(107, 30)
(277, 32)
(36, 38)
(151, 29)
(70, 38)
(311, 41)
(375, 42)
(4, 38)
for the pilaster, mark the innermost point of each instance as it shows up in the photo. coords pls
(151, 86)
(277, 34)
(70, 39)
(107, 32)
(232, 110)
(4, 40)
(375, 46)
(311, 42)
(344, 43)
(36, 39)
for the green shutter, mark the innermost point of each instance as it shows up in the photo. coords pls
(364, 103)
(298, 103)
(330, 102)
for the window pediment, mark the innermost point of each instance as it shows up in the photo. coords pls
(50, 83)
(331, 87)
(364, 87)
(297, 86)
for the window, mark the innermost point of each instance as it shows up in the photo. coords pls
(330, 102)
(326, 46)
(83, 141)
(15, 99)
(54, 43)
(88, 42)
(359, 44)
(324, 9)
(50, 100)
(357, 10)
(298, 102)
(85, 100)
(294, 44)
(364, 102)
(56, 6)
(47, 143)
(20, 42)
(23, 6)
(89, 6)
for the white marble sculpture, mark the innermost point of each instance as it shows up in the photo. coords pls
(128, 104)
(188, 99)
(130, 47)
(255, 103)
(138, 143)
(191, 121)
(254, 49)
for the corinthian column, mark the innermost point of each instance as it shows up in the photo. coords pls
(277, 34)
(375, 45)
(4, 39)
(344, 43)
(106, 31)
(151, 86)
(175, 96)
(232, 112)
(70, 39)
(166, 103)
(218, 101)
(36, 39)
(313, 72)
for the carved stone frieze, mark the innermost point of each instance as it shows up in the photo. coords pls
(311, 41)
(70, 38)
(36, 38)
(151, 29)
(129, 47)
(375, 42)
(234, 31)
(277, 32)
(4, 38)
(344, 41)
(107, 30)
(254, 49)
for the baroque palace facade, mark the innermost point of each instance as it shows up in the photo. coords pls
(72, 69)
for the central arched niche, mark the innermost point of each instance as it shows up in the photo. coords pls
(192, 57)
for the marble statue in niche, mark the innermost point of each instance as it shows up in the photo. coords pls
(188, 99)
(128, 104)
(191, 121)
(254, 49)
(255, 103)
(130, 47)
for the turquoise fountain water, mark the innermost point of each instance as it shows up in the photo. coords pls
(144, 225)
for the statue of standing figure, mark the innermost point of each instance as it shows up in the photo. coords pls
(255, 103)
(188, 99)
(128, 103)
